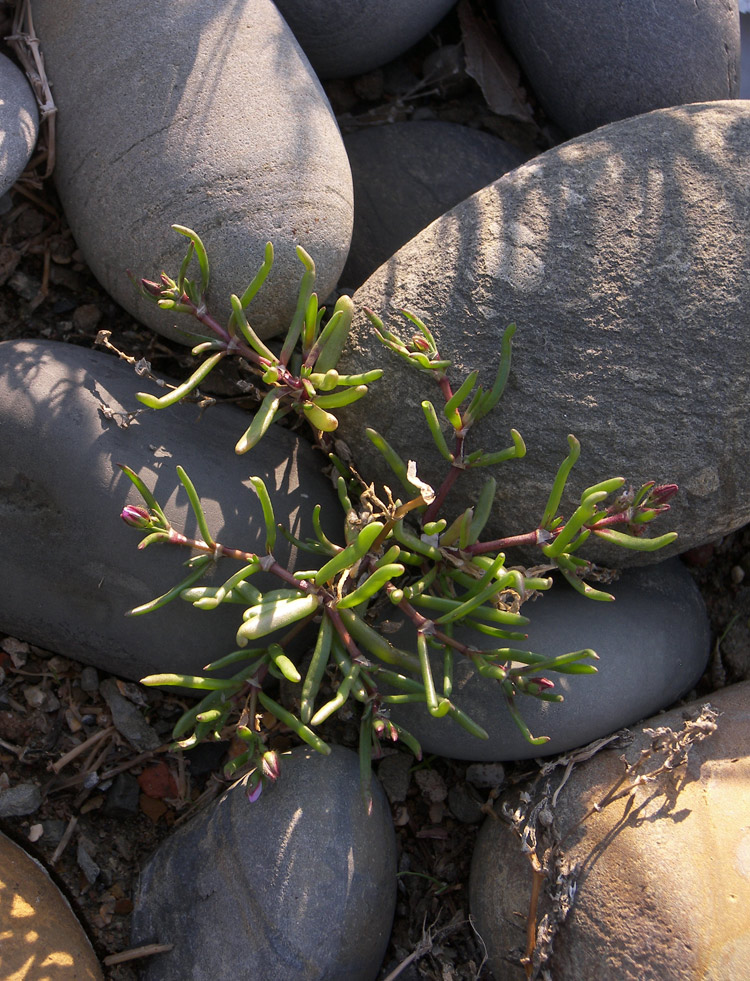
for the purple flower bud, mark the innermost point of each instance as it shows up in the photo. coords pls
(136, 517)
(254, 793)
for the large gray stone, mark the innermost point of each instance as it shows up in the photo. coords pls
(349, 37)
(660, 871)
(406, 175)
(591, 63)
(207, 115)
(71, 567)
(653, 644)
(623, 258)
(19, 123)
(298, 886)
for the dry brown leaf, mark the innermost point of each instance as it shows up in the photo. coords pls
(491, 66)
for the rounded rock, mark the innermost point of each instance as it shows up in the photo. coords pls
(41, 936)
(591, 63)
(71, 567)
(653, 644)
(656, 875)
(622, 258)
(205, 115)
(351, 37)
(19, 123)
(407, 175)
(298, 886)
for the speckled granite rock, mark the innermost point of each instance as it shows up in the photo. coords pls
(71, 567)
(591, 63)
(622, 257)
(653, 643)
(349, 37)
(406, 175)
(19, 123)
(207, 115)
(661, 875)
(298, 886)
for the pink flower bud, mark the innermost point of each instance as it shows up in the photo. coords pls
(537, 685)
(136, 517)
(420, 343)
(150, 287)
(270, 765)
(661, 494)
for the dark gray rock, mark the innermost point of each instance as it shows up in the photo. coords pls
(71, 567)
(622, 257)
(342, 38)
(407, 175)
(464, 804)
(653, 643)
(122, 796)
(19, 123)
(745, 51)
(89, 679)
(127, 718)
(21, 799)
(298, 886)
(207, 115)
(657, 874)
(591, 63)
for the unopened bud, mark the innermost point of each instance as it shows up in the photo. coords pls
(254, 792)
(420, 343)
(535, 685)
(270, 765)
(155, 289)
(136, 517)
(663, 493)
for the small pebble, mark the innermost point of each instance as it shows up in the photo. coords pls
(127, 719)
(737, 574)
(24, 798)
(432, 785)
(485, 775)
(86, 863)
(122, 799)
(464, 806)
(90, 679)
(87, 316)
(394, 772)
(54, 829)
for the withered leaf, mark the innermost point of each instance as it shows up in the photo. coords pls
(491, 66)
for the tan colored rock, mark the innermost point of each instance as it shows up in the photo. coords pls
(40, 937)
(662, 875)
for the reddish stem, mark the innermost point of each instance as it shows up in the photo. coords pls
(222, 551)
(538, 537)
(434, 508)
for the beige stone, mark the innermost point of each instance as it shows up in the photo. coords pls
(663, 875)
(40, 937)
